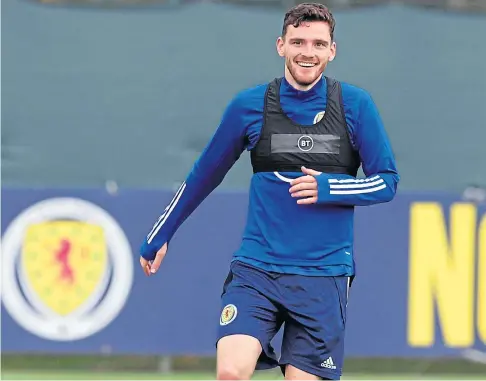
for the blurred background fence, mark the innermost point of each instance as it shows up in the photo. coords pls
(106, 104)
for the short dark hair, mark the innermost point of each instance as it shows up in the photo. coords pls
(308, 12)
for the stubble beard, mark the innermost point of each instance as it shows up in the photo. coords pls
(291, 68)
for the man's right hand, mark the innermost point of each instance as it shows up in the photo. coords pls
(151, 267)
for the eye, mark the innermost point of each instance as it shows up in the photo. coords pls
(296, 43)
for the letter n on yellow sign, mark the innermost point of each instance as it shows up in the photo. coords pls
(442, 274)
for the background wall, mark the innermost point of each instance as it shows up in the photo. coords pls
(154, 82)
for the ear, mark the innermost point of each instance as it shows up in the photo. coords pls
(280, 47)
(333, 51)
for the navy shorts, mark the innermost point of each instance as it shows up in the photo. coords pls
(257, 303)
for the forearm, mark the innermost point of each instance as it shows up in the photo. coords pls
(347, 190)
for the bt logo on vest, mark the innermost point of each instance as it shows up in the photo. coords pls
(305, 143)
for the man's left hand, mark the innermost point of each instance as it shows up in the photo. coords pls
(305, 187)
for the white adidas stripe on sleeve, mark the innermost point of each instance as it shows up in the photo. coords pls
(350, 186)
(168, 210)
(356, 186)
(354, 181)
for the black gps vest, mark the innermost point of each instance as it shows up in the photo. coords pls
(285, 146)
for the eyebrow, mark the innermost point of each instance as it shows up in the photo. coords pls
(324, 42)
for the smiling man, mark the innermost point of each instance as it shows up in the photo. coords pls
(308, 135)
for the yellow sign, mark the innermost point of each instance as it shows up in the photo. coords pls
(64, 262)
(447, 275)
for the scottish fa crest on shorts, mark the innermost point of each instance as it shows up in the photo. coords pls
(228, 314)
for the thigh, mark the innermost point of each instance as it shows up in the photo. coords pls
(248, 314)
(313, 339)
(237, 356)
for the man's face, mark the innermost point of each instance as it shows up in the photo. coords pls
(307, 50)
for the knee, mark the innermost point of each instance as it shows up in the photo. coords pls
(232, 373)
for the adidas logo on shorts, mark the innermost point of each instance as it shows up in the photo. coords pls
(328, 363)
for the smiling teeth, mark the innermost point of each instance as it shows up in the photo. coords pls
(306, 64)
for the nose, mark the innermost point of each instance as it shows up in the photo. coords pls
(308, 51)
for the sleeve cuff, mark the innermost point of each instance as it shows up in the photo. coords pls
(323, 188)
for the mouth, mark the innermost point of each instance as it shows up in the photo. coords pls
(306, 64)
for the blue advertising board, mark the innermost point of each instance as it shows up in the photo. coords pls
(71, 281)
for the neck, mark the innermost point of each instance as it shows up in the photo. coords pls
(291, 80)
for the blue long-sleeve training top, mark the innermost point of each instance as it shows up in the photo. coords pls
(281, 235)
